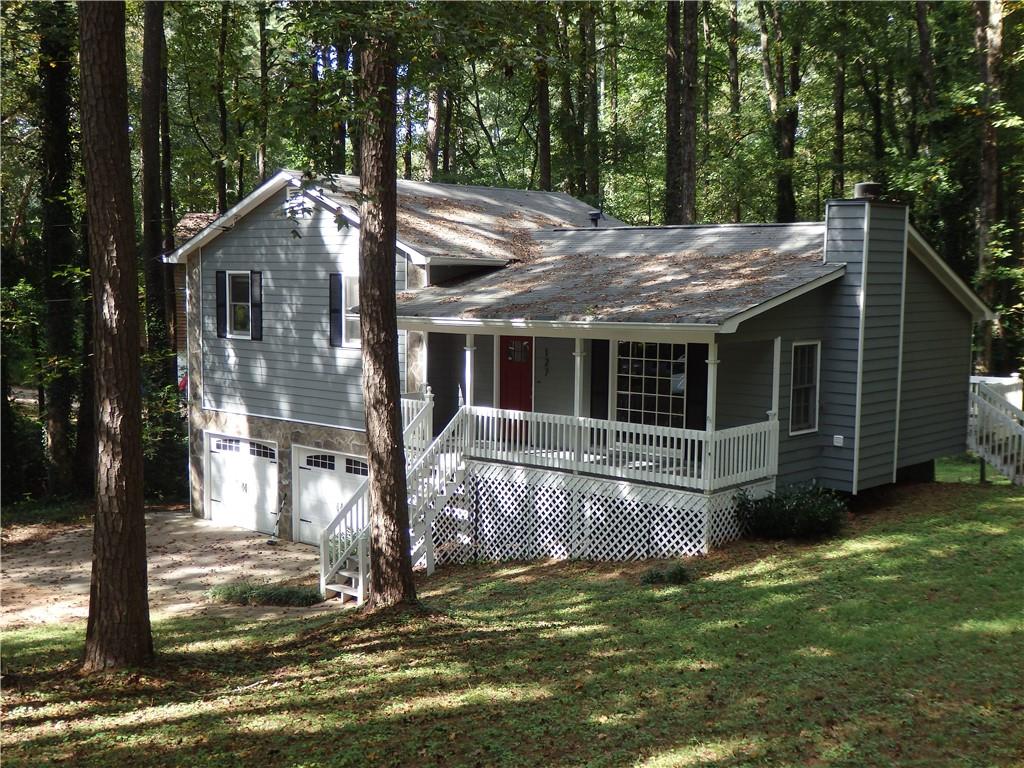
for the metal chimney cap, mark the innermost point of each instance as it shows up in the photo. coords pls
(867, 190)
(596, 216)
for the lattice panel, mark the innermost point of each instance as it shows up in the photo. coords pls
(513, 513)
(723, 525)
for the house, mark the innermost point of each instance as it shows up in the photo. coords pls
(595, 390)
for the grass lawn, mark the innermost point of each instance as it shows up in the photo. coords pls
(898, 644)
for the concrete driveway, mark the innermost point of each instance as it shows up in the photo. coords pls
(47, 579)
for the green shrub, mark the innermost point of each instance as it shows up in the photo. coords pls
(793, 512)
(674, 574)
(258, 593)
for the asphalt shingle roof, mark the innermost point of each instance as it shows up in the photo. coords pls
(698, 274)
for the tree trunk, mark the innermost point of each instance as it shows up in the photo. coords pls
(118, 632)
(167, 204)
(541, 79)
(925, 62)
(873, 96)
(391, 580)
(705, 90)
(734, 108)
(262, 12)
(674, 212)
(592, 146)
(448, 149)
(988, 17)
(222, 111)
(56, 54)
(839, 110)
(434, 108)
(612, 58)
(689, 112)
(85, 438)
(781, 103)
(407, 154)
(152, 215)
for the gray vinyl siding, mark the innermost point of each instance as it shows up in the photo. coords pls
(293, 373)
(745, 375)
(483, 370)
(936, 370)
(745, 378)
(880, 364)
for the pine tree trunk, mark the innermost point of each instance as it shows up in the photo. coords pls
(56, 54)
(152, 215)
(222, 111)
(674, 213)
(433, 135)
(541, 80)
(391, 580)
(734, 108)
(448, 148)
(407, 153)
(988, 15)
(118, 632)
(781, 104)
(592, 146)
(85, 438)
(839, 110)
(167, 201)
(262, 12)
(689, 113)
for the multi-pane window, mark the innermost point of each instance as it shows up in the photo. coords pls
(803, 413)
(320, 461)
(262, 451)
(357, 467)
(227, 444)
(239, 299)
(651, 383)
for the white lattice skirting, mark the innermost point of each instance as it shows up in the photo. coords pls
(504, 512)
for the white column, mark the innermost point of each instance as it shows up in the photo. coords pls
(577, 399)
(712, 406)
(773, 414)
(470, 350)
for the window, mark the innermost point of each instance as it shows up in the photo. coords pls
(262, 451)
(357, 467)
(651, 384)
(320, 461)
(240, 305)
(227, 444)
(803, 400)
(344, 323)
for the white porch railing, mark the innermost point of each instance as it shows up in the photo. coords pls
(680, 457)
(995, 431)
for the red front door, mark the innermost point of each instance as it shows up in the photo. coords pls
(516, 371)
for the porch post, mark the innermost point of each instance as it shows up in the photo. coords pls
(577, 399)
(709, 440)
(470, 350)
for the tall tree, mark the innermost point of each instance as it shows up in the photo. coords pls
(839, 106)
(118, 631)
(689, 112)
(734, 108)
(541, 81)
(56, 53)
(988, 16)
(391, 580)
(782, 82)
(262, 15)
(222, 109)
(674, 211)
(591, 108)
(157, 328)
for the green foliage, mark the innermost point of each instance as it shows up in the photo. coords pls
(793, 512)
(259, 593)
(22, 458)
(677, 573)
(165, 443)
(35, 512)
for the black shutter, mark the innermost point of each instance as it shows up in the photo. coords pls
(334, 317)
(256, 305)
(222, 304)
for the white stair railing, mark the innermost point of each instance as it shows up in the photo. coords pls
(996, 431)
(428, 476)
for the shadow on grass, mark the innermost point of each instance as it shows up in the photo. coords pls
(899, 643)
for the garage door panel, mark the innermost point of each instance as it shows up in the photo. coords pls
(243, 484)
(325, 484)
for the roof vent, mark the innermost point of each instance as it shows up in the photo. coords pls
(596, 216)
(867, 190)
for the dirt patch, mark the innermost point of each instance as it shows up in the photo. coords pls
(46, 568)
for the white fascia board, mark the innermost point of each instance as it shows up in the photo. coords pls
(227, 222)
(352, 217)
(468, 261)
(732, 324)
(945, 275)
(696, 333)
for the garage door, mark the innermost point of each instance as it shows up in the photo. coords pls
(243, 483)
(326, 481)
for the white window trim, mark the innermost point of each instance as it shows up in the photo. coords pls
(817, 386)
(231, 333)
(346, 340)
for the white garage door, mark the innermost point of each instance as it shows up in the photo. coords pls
(243, 483)
(325, 482)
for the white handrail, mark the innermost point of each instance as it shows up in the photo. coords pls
(997, 437)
